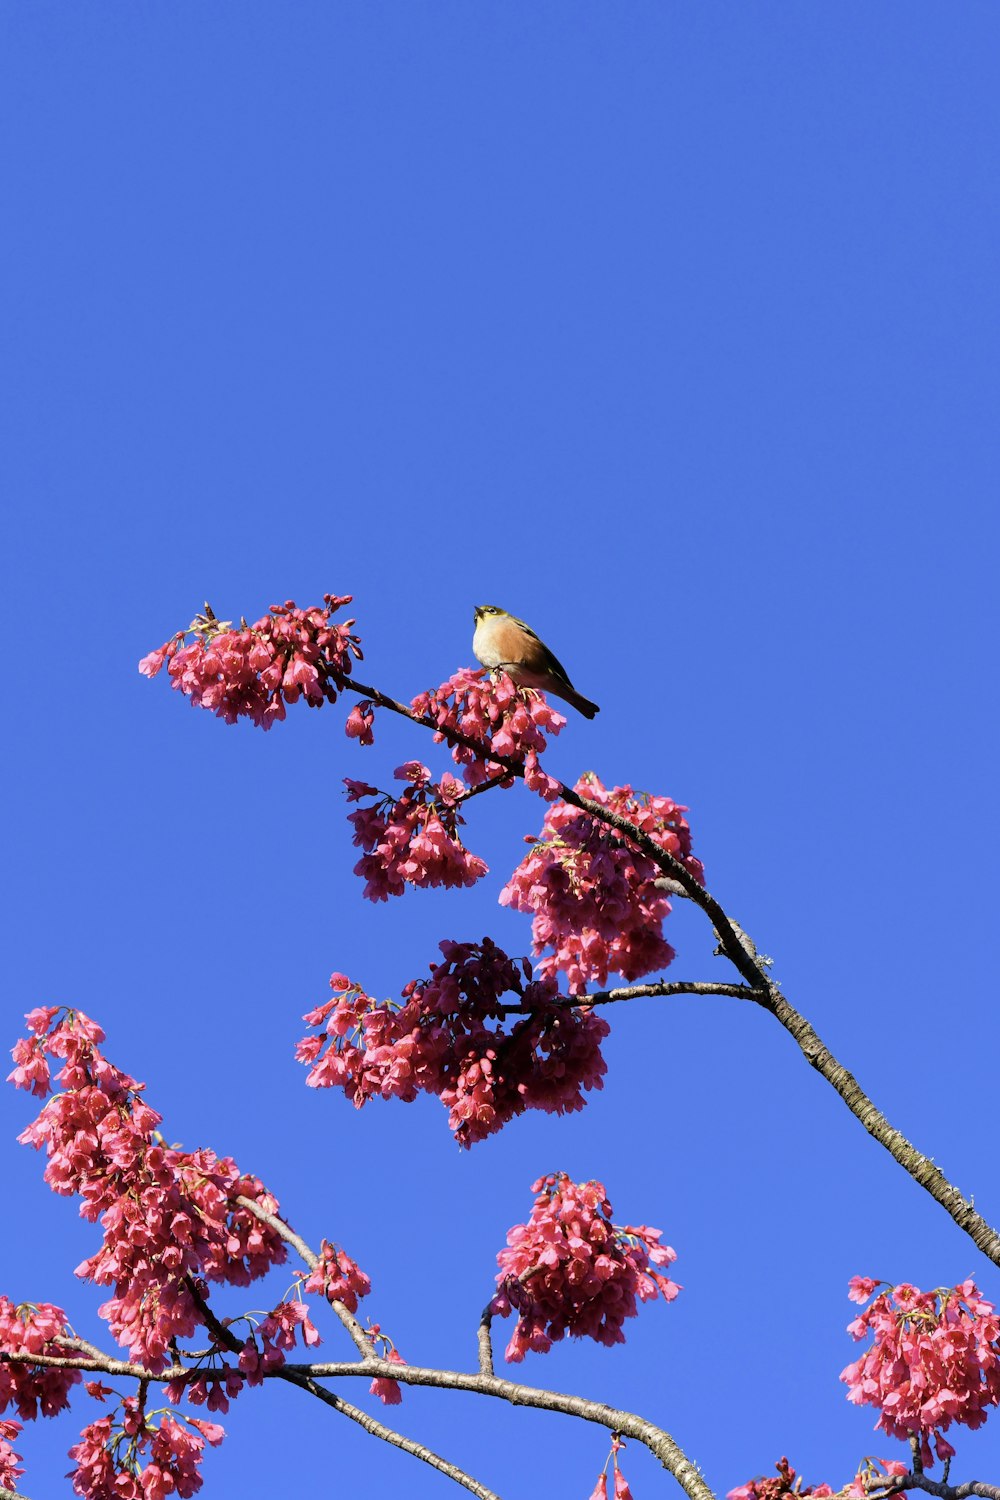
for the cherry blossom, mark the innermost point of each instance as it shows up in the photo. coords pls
(593, 898)
(338, 1278)
(457, 1036)
(266, 1347)
(10, 1462)
(411, 839)
(770, 1488)
(934, 1360)
(32, 1328)
(383, 1386)
(134, 1458)
(255, 671)
(571, 1270)
(170, 1219)
(494, 711)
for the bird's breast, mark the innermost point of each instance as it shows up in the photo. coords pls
(497, 641)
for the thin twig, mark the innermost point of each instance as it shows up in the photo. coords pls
(388, 1434)
(360, 1339)
(641, 991)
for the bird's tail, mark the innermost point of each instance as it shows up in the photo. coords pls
(579, 702)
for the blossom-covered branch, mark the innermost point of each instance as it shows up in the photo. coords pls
(174, 1224)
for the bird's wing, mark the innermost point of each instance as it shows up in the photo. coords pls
(542, 658)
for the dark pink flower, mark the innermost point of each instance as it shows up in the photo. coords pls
(255, 671)
(494, 712)
(592, 897)
(934, 1359)
(571, 1270)
(479, 1032)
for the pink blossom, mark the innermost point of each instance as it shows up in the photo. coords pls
(167, 1216)
(10, 1462)
(338, 1278)
(600, 1490)
(571, 1270)
(455, 1035)
(157, 1462)
(934, 1360)
(412, 839)
(592, 897)
(775, 1489)
(31, 1328)
(255, 671)
(496, 713)
(383, 1386)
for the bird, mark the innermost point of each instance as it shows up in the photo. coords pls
(502, 642)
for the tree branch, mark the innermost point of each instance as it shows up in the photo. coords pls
(742, 953)
(895, 1484)
(641, 991)
(361, 1340)
(388, 1434)
(485, 1339)
(656, 1439)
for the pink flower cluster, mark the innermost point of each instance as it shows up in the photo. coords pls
(453, 1036)
(934, 1360)
(253, 672)
(276, 1334)
(592, 898)
(338, 1278)
(776, 1489)
(135, 1459)
(571, 1270)
(31, 1328)
(10, 1462)
(509, 720)
(167, 1216)
(412, 839)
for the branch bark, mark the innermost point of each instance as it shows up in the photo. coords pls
(613, 1419)
(742, 953)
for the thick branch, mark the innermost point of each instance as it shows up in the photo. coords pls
(899, 1482)
(735, 945)
(920, 1167)
(656, 1439)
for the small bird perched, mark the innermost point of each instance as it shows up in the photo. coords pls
(504, 643)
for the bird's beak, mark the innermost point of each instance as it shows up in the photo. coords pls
(477, 610)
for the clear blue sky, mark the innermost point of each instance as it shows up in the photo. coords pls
(673, 328)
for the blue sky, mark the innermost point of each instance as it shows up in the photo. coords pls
(673, 328)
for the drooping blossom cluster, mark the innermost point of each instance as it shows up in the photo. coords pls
(777, 1487)
(571, 1270)
(495, 712)
(620, 1489)
(592, 897)
(453, 1036)
(266, 1346)
(338, 1278)
(412, 839)
(934, 1360)
(383, 1386)
(136, 1457)
(253, 672)
(170, 1218)
(32, 1328)
(11, 1468)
